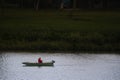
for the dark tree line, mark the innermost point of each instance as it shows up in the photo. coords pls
(2, 2)
(60, 4)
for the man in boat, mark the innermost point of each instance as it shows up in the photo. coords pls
(40, 60)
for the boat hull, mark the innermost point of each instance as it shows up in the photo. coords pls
(39, 64)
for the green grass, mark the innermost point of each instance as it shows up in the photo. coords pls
(60, 31)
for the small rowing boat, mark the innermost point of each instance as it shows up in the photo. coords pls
(39, 64)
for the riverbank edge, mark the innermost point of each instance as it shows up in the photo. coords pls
(66, 52)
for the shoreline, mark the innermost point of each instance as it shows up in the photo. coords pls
(66, 52)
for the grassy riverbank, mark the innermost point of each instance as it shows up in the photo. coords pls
(60, 31)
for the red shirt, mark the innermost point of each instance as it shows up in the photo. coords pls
(39, 60)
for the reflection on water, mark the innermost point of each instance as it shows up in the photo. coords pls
(67, 66)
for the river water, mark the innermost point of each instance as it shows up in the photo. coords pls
(68, 66)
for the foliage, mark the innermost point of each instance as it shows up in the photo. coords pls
(57, 31)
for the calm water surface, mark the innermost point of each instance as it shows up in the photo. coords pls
(67, 67)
